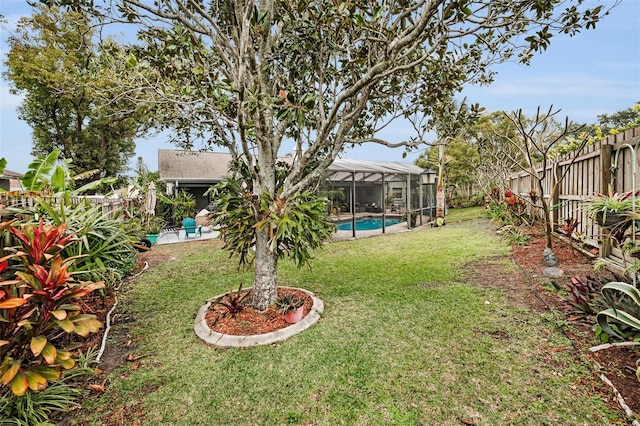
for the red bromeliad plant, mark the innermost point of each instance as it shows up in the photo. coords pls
(37, 307)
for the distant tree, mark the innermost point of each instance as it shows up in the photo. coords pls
(248, 75)
(463, 160)
(623, 119)
(453, 149)
(56, 63)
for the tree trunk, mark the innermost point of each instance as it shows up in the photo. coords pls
(440, 193)
(265, 281)
(548, 227)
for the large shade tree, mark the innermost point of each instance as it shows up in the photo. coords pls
(56, 60)
(251, 75)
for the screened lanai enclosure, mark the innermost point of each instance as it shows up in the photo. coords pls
(370, 196)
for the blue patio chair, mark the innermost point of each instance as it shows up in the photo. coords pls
(190, 227)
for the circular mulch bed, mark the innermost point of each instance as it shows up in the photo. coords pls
(249, 327)
(250, 321)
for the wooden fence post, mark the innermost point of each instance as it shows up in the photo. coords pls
(555, 196)
(606, 152)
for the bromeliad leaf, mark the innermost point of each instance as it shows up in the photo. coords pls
(625, 312)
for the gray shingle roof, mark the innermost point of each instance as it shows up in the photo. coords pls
(192, 165)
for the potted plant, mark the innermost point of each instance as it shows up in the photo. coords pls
(388, 202)
(610, 210)
(291, 307)
(154, 228)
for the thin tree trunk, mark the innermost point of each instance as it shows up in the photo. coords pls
(440, 193)
(548, 229)
(265, 281)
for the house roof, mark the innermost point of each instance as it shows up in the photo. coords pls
(208, 167)
(343, 170)
(8, 174)
(192, 166)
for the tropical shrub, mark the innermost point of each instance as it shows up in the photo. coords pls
(296, 225)
(34, 408)
(288, 303)
(38, 310)
(104, 251)
(600, 205)
(624, 310)
(233, 301)
(497, 212)
(514, 235)
(183, 206)
(476, 200)
(584, 294)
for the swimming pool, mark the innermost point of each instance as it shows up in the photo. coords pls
(368, 223)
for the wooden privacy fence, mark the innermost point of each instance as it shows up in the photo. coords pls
(110, 205)
(612, 161)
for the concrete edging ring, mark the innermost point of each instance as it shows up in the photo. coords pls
(218, 339)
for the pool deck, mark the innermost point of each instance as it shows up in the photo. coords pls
(171, 238)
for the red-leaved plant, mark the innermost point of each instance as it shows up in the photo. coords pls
(37, 309)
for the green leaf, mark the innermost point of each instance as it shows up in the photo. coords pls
(49, 373)
(12, 370)
(131, 61)
(58, 179)
(619, 316)
(66, 325)
(19, 384)
(38, 173)
(49, 353)
(36, 381)
(37, 344)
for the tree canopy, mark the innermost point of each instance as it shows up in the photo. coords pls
(56, 61)
(250, 75)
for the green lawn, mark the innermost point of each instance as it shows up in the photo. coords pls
(403, 340)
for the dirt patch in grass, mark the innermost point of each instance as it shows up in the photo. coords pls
(526, 287)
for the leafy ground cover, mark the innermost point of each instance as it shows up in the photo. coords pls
(413, 333)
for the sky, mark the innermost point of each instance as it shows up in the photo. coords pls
(593, 73)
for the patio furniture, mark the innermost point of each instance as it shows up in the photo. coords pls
(190, 227)
(171, 230)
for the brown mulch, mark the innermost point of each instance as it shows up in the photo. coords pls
(617, 364)
(250, 321)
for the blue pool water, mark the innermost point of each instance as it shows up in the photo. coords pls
(368, 223)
